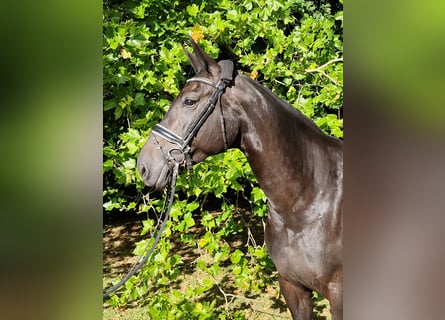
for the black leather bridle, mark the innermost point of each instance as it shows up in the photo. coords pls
(176, 159)
(181, 154)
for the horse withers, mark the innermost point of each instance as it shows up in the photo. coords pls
(299, 168)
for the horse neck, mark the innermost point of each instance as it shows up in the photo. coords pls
(288, 153)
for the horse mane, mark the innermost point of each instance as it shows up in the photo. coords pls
(290, 109)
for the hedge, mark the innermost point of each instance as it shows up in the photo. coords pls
(294, 48)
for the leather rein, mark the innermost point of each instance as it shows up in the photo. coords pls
(176, 159)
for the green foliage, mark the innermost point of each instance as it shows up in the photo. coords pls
(292, 47)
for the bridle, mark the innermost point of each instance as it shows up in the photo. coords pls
(182, 154)
(175, 160)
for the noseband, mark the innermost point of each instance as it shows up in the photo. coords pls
(182, 153)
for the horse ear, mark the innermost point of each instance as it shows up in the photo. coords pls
(201, 61)
(192, 59)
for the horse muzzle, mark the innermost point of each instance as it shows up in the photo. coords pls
(154, 175)
(154, 167)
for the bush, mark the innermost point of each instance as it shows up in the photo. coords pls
(292, 47)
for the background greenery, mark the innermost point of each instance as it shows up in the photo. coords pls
(295, 48)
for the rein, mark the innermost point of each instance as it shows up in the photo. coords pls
(175, 160)
(147, 252)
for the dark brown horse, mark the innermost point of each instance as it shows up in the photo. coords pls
(299, 168)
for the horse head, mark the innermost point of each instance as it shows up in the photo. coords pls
(196, 124)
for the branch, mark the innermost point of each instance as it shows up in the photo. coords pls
(318, 69)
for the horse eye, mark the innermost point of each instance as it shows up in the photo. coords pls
(189, 102)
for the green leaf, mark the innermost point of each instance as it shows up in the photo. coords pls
(192, 10)
(188, 219)
(236, 256)
(109, 104)
(232, 15)
(139, 99)
(258, 195)
(201, 264)
(108, 164)
(130, 164)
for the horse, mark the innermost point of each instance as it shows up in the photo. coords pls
(299, 168)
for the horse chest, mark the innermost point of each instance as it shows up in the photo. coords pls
(297, 255)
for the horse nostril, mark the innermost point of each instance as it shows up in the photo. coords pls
(143, 170)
